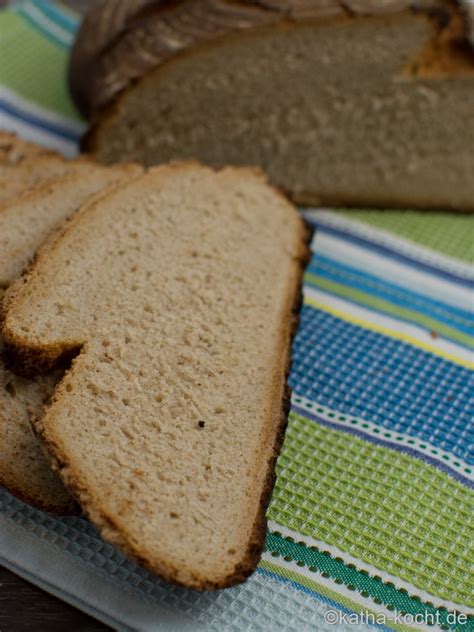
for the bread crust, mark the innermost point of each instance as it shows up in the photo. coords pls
(148, 34)
(279, 399)
(14, 149)
(260, 526)
(52, 498)
(374, 202)
(68, 508)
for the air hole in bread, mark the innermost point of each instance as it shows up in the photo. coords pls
(9, 387)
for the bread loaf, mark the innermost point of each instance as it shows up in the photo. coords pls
(360, 103)
(24, 225)
(179, 291)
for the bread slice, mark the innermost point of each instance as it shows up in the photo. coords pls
(32, 171)
(24, 225)
(179, 290)
(359, 103)
(16, 178)
(26, 222)
(24, 469)
(13, 149)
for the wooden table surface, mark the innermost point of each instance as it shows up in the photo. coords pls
(26, 608)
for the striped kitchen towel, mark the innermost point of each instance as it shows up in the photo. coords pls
(370, 524)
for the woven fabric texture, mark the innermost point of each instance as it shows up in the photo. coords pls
(372, 512)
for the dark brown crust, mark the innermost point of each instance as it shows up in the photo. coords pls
(146, 33)
(260, 528)
(64, 509)
(68, 507)
(120, 41)
(113, 532)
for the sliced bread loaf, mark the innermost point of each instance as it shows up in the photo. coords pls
(354, 102)
(180, 292)
(24, 225)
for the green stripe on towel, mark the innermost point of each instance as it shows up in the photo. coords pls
(388, 509)
(447, 233)
(21, 46)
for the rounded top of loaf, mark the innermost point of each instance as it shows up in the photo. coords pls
(121, 40)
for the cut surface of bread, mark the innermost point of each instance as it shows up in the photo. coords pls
(180, 289)
(16, 178)
(32, 171)
(27, 221)
(24, 470)
(360, 103)
(24, 225)
(13, 149)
